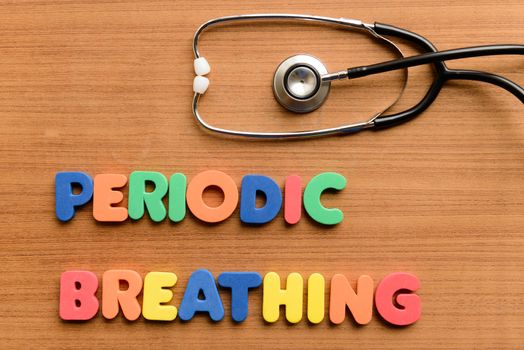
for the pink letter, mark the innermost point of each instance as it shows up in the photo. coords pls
(293, 199)
(77, 295)
(400, 309)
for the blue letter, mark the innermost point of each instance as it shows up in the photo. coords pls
(249, 213)
(201, 281)
(239, 282)
(65, 200)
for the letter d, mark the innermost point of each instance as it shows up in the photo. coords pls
(249, 213)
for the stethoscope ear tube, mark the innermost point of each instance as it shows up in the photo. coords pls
(386, 121)
(443, 73)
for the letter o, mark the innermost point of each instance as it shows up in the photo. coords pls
(196, 189)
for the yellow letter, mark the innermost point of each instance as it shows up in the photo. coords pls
(290, 297)
(155, 294)
(315, 298)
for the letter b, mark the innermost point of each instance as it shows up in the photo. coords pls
(77, 295)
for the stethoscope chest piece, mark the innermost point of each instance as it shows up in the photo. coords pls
(297, 83)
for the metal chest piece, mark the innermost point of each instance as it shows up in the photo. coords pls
(297, 83)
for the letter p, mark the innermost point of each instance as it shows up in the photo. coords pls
(66, 200)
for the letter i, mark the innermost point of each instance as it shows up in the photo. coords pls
(293, 199)
(315, 298)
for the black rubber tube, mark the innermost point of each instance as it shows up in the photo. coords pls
(386, 121)
(431, 57)
(494, 79)
(435, 57)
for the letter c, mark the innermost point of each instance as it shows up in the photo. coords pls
(312, 194)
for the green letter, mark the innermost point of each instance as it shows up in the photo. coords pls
(177, 197)
(138, 196)
(312, 194)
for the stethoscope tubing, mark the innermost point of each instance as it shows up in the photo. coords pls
(442, 74)
(347, 22)
(430, 57)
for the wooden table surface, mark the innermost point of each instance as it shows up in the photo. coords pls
(105, 87)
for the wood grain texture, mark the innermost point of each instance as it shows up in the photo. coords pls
(105, 86)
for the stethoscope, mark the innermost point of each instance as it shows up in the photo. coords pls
(301, 83)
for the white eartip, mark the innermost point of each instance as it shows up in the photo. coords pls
(200, 84)
(201, 66)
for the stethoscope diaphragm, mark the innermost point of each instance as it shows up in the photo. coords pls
(297, 83)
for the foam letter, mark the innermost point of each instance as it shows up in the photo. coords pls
(104, 197)
(274, 297)
(112, 296)
(65, 200)
(312, 194)
(239, 283)
(409, 309)
(201, 281)
(177, 197)
(293, 199)
(155, 294)
(77, 295)
(196, 188)
(315, 298)
(249, 213)
(138, 195)
(360, 304)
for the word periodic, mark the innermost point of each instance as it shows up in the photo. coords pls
(103, 190)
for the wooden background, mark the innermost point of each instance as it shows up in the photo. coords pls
(105, 86)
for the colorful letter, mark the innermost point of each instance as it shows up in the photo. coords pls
(274, 297)
(293, 199)
(156, 294)
(360, 304)
(315, 298)
(104, 197)
(239, 283)
(77, 295)
(112, 296)
(138, 195)
(201, 281)
(249, 213)
(177, 197)
(65, 200)
(196, 188)
(312, 194)
(387, 296)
